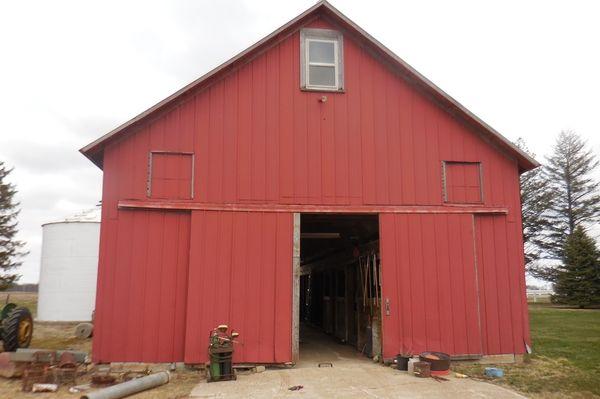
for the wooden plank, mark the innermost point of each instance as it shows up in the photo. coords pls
(273, 110)
(367, 130)
(258, 143)
(353, 81)
(201, 147)
(284, 284)
(214, 187)
(430, 283)
(329, 152)
(296, 289)
(341, 147)
(139, 245)
(181, 285)
(193, 345)
(266, 295)
(456, 286)
(250, 207)
(230, 137)
(244, 133)
(394, 148)
(380, 137)
(442, 245)
(313, 148)
(286, 126)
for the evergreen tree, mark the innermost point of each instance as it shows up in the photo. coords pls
(578, 278)
(574, 199)
(535, 203)
(10, 248)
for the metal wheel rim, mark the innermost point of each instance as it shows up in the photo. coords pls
(25, 328)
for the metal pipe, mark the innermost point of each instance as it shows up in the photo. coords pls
(130, 387)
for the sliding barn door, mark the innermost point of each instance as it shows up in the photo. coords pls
(241, 275)
(429, 278)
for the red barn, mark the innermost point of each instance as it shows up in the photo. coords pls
(317, 180)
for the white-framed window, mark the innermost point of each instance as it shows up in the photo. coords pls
(321, 59)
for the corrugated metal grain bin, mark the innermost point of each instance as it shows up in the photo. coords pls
(69, 266)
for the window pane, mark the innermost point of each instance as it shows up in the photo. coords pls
(321, 52)
(321, 76)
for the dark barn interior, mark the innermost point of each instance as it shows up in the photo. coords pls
(340, 284)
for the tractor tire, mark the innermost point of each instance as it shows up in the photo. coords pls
(17, 329)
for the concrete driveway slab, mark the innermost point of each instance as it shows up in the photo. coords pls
(363, 380)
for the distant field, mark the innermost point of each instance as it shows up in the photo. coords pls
(27, 299)
(566, 355)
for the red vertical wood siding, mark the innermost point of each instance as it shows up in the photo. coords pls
(429, 278)
(257, 138)
(501, 275)
(462, 182)
(142, 287)
(241, 275)
(171, 176)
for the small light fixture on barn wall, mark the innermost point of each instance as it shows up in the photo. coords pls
(323, 99)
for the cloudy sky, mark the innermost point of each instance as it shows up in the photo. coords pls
(71, 71)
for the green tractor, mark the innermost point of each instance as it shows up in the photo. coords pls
(16, 327)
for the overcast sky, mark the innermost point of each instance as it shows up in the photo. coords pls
(71, 71)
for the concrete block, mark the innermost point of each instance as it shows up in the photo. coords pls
(8, 368)
(26, 354)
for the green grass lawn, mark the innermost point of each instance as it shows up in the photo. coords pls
(566, 358)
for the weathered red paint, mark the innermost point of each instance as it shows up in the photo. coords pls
(166, 276)
(257, 207)
(143, 286)
(241, 267)
(431, 284)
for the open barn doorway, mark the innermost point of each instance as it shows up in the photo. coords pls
(340, 287)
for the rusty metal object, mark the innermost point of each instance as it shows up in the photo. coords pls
(439, 362)
(38, 371)
(422, 369)
(67, 369)
(67, 360)
(103, 379)
(66, 375)
(131, 375)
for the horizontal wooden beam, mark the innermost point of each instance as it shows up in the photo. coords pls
(253, 207)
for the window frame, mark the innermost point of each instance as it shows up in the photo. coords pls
(325, 36)
(479, 165)
(150, 166)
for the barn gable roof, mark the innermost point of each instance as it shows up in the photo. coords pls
(94, 150)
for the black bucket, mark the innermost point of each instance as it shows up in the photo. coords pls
(402, 362)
